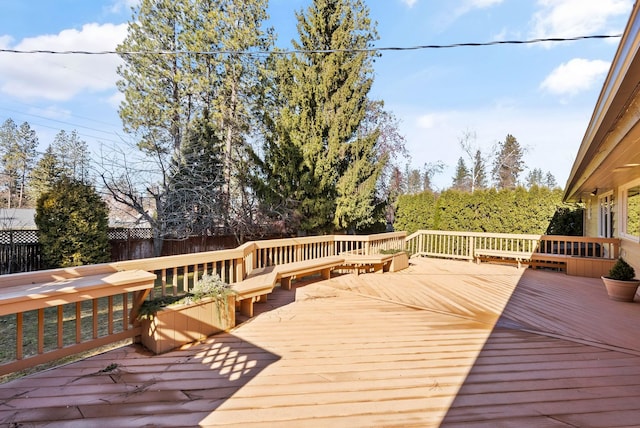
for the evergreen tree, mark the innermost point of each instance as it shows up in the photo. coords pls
(73, 155)
(194, 204)
(508, 163)
(26, 159)
(479, 172)
(72, 224)
(326, 99)
(9, 147)
(462, 177)
(414, 181)
(45, 173)
(18, 155)
(415, 212)
(534, 178)
(207, 82)
(550, 181)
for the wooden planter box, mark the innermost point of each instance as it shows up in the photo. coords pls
(175, 326)
(400, 261)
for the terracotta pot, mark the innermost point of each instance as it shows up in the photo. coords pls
(622, 291)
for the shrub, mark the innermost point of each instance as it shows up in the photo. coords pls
(73, 224)
(622, 271)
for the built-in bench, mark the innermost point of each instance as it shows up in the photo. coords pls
(255, 287)
(56, 290)
(572, 264)
(261, 281)
(556, 261)
(518, 256)
(378, 263)
(323, 266)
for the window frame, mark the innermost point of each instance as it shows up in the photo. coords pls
(623, 198)
(605, 215)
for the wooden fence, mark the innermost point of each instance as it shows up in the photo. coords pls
(21, 252)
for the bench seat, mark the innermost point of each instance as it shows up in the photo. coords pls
(518, 256)
(256, 286)
(549, 260)
(378, 262)
(289, 271)
(56, 292)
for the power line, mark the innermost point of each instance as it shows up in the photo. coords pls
(311, 51)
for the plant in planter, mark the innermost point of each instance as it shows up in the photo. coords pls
(169, 322)
(399, 261)
(620, 283)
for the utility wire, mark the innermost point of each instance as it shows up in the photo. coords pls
(311, 51)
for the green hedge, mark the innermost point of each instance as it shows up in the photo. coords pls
(538, 210)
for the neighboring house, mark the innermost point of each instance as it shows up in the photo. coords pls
(606, 172)
(17, 219)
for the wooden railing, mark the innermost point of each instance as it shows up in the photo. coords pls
(68, 328)
(463, 245)
(50, 333)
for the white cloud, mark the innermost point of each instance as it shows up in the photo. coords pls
(464, 7)
(61, 77)
(431, 120)
(51, 112)
(577, 75)
(571, 18)
(123, 5)
(469, 5)
(5, 41)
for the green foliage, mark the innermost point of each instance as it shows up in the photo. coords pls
(622, 271)
(462, 177)
(210, 285)
(72, 224)
(17, 158)
(567, 220)
(168, 98)
(519, 210)
(46, 172)
(193, 201)
(392, 251)
(415, 212)
(508, 163)
(322, 166)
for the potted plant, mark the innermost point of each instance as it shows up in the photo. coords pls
(170, 322)
(620, 283)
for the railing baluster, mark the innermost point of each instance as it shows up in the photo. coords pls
(19, 335)
(60, 326)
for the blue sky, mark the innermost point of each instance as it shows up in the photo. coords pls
(542, 94)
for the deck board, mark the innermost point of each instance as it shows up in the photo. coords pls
(443, 343)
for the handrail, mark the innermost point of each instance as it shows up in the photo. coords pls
(175, 275)
(463, 245)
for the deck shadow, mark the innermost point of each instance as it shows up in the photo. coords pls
(561, 354)
(132, 387)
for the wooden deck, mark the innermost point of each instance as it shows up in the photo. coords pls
(443, 343)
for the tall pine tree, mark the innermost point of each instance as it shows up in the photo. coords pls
(323, 94)
(508, 163)
(205, 78)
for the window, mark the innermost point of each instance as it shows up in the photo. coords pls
(605, 216)
(631, 211)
